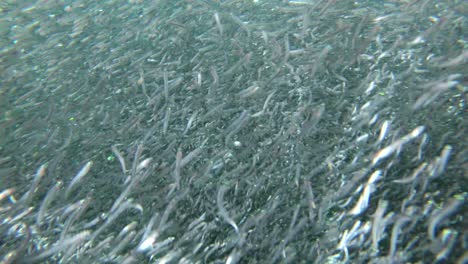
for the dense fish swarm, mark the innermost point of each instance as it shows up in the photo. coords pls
(228, 131)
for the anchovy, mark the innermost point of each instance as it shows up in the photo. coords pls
(78, 177)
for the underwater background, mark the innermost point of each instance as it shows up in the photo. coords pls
(229, 131)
